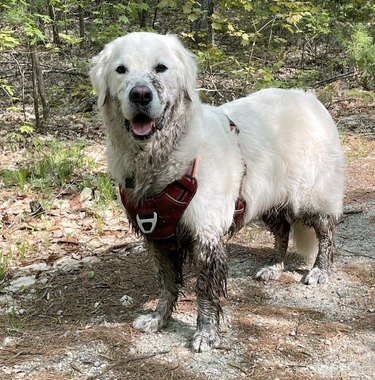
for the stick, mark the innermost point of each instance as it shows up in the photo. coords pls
(332, 79)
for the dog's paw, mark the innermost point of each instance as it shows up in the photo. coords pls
(315, 276)
(271, 272)
(205, 340)
(148, 323)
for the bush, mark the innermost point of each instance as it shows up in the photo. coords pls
(361, 53)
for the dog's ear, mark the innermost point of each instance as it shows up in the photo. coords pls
(188, 66)
(98, 75)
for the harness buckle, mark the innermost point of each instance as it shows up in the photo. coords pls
(142, 223)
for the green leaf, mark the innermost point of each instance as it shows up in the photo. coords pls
(7, 41)
(123, 19)
(90, 274)
(167, 3)
(26, 129)
(193, 17)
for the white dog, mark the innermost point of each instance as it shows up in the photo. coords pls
(185, 169)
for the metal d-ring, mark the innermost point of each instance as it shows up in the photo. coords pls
(141, 223)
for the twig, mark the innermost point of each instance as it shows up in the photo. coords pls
(357, 254)
(332, 79)
(68, 72)
(106, 357)
(145, 357)
(352, 212)
(76, 367)
(117, 247)
(240, 368)
(237, 367)
(22, 73)
(23, 353)
(348, 213)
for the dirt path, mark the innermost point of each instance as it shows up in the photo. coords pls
(74, 327)
(72, 320)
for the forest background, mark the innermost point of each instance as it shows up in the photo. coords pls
(241, 45)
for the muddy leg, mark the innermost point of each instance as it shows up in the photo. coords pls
(211, 284)
(277, 223)
(169, 273)
(324, 226)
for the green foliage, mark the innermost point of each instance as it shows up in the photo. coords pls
(361, 51)
(364, 96)
(26, 129)
(113, 17)
(70, 40)
(90, 274)
(51, 164)
(8, 39)
(4, 264)
(252, 38)
(8, 90)
(21, 14)
(105, 190)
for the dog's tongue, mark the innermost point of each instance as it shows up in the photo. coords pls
(142, 125)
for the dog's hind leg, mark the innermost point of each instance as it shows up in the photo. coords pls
(169, 272)
(324, 226)
(211, 284)
(277, 223)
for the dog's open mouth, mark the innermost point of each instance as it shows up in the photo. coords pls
(142, 126)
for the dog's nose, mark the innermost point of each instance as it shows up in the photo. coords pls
(141, 95)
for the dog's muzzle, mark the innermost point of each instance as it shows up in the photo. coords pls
(141, 125)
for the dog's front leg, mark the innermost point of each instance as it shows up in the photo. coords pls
(169, 272)
(211, 284)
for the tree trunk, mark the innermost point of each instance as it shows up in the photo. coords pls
(203, 26)
(38, 125)
(39, 90)
(81, 13)
(143, 18)
(55, 32)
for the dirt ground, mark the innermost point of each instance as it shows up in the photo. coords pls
(71, 316)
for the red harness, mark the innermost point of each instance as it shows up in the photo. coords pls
(157, 218)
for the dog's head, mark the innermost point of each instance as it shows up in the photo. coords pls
(145, 74)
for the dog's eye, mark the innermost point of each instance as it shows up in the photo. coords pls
(121, 69)
(160, 68)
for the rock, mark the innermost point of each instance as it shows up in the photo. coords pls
(3, 300)
(37, 267)
(86, 195)
(20, 284)
(88, 260)
(10, 341)
(126, 300)
(67, 264)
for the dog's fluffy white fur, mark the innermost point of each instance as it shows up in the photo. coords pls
(287, 142)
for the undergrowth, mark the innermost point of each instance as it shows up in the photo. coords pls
(47, 166)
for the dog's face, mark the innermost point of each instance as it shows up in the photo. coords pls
(144, 74)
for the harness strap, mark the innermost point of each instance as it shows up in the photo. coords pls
(240, 206)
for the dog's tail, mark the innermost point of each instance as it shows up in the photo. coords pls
(305, 241)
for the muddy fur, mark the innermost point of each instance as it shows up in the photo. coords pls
(287, 142)
(279, 222)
